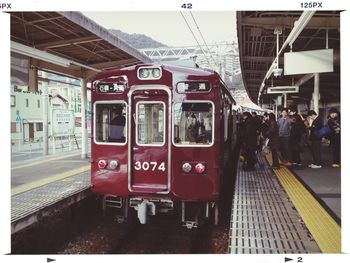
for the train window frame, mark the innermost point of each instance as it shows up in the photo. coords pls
(136, 124)
(226, 115)
(173, 125)
(189, 92)
(126, 122)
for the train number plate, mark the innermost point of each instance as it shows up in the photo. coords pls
(149, 166)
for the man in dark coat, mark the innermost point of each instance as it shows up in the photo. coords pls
(249, 139)
(272, 134)
(334, 136)
(316, 142)
(297, 139)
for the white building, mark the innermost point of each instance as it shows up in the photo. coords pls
(27, 112)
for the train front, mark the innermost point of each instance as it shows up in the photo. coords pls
(152, 141)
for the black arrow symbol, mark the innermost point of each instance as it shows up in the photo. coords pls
(287, 259)
(50, 260)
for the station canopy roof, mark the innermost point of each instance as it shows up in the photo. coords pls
(72, 36)
(257, 45)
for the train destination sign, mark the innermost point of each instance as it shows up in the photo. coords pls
(110, 88)
(283, 89)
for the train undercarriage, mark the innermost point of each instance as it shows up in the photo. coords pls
(192, 214)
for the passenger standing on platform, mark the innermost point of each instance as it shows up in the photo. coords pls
(272, 134)
(257, 122)
(305, 119)
(334, 124)
(292, 111)
(263, 130)
(316, 142)
(297, 139)
(249, 140)
(265, 125)
(284, 126)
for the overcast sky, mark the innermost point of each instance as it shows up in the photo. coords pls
(170, 28)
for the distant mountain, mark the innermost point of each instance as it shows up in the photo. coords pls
(137, 40)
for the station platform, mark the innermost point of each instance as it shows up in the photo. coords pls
(274, 211)
(324, 184)
(41, 186)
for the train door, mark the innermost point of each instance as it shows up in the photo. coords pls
(149, 151)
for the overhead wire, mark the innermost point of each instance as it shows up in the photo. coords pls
(189, 27)
(205, 43)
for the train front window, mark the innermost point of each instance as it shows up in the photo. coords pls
(110, 122)
(150, 123)
(194, 123)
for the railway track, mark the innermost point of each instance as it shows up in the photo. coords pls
(83, 230)
(161, 236)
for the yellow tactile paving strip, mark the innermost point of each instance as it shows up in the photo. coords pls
(321, 225)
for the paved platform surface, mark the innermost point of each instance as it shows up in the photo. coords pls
(325, 183)
(42, 185)
(30, 206)
(263, 219)
(35, 169)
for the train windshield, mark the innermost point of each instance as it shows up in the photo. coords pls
(110, 122)
(150, 123)
(193, 123)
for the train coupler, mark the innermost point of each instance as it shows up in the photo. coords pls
(145, 209)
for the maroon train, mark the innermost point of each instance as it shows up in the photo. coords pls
(161, 138)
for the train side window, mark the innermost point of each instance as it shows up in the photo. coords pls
(150, 123)
(110, 122)
(193, 123)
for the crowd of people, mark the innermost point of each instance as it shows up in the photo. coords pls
(288, 136)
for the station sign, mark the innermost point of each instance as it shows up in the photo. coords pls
(283, 89)
(306, 62)
(63, 122)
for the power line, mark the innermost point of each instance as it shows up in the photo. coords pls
(195, 38)
(194, 20)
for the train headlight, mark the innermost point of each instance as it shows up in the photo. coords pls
(113, 164)
(149, 72)
(156, 73)
(102, 164)
(200, 168)
(144, 73)
(186, 167)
